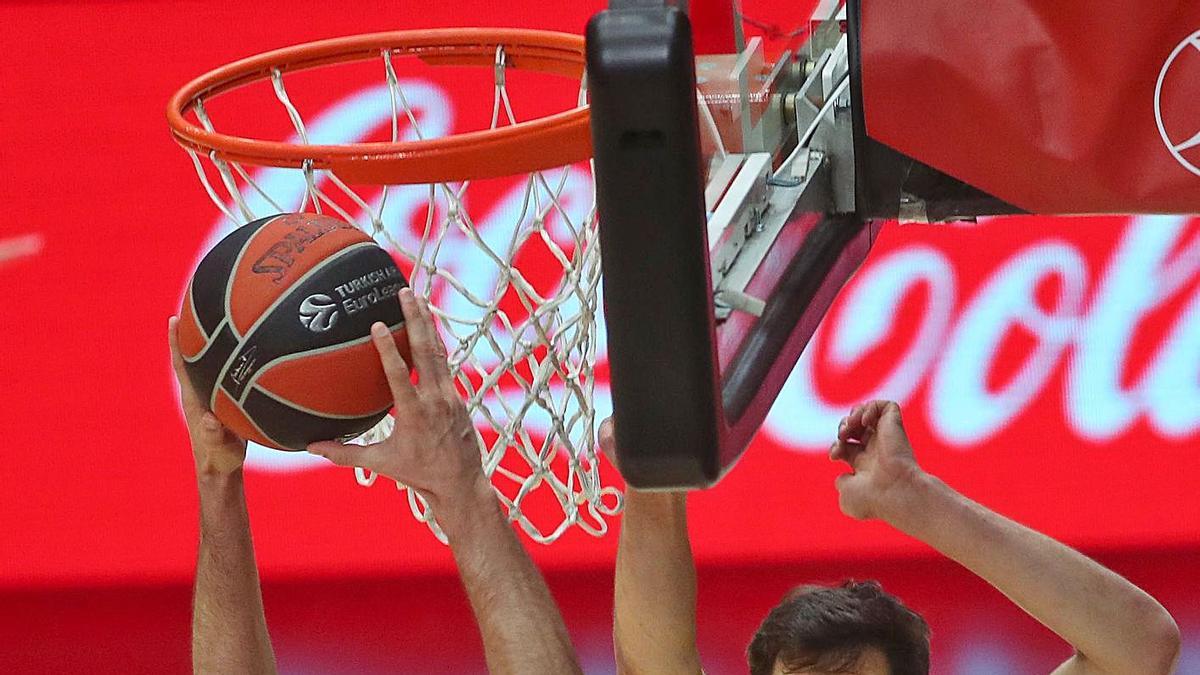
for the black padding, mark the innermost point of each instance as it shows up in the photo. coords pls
(211, 278)
(650, 198)
(295, 429)
(360, 284)
(641, 4)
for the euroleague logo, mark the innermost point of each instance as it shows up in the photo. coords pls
(318, 312)
(1181, 76)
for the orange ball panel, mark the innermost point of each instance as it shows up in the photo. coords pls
(279, 254)
(347, 381)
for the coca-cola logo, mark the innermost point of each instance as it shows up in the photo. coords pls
(941, 372)
(1181, 135)
(1097, 311)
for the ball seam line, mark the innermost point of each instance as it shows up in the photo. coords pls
(272, 307)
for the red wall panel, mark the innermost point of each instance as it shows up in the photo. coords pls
(1047, 367)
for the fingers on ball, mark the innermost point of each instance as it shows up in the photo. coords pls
(341, 454)
(394, 368)
(428, 350)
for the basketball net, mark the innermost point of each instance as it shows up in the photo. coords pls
(522, 354)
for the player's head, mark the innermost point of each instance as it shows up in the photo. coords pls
(852, 628)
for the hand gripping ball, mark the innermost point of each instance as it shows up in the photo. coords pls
(275, 329)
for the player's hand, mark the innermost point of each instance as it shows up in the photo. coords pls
(433, 448)
(883, 471)
(217, 450)
(607, 439)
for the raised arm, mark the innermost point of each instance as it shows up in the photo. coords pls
(229, 627)
(434, 451)
(1114, 626)
(654, 624)
(522, 629)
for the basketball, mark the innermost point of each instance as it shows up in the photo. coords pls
(275, 329)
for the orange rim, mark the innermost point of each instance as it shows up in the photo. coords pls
(547, 142)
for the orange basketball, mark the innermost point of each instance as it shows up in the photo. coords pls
(275, 329)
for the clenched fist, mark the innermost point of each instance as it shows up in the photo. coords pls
(883, 472)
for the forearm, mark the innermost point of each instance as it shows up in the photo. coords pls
(229, 627)
(522, 629)
(655, 596)
(1114, 626)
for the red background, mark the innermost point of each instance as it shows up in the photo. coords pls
(98, 533)
(1061, 100)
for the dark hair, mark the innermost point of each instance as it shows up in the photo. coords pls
(831, 627)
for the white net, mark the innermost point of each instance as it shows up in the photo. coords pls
(515, 293)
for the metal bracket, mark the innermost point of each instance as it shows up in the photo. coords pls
(729, 289)
(738, 213)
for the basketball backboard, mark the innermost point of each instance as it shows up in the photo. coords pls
(727, 225)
